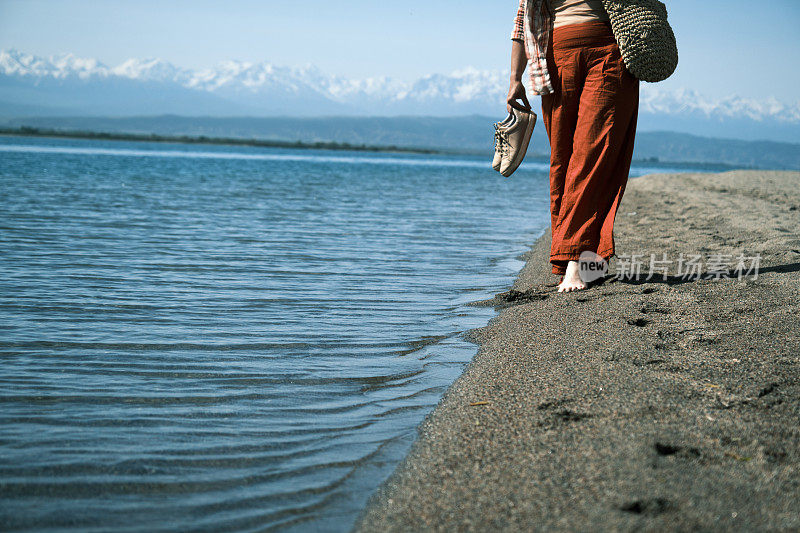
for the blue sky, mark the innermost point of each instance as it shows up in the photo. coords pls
(746, 47)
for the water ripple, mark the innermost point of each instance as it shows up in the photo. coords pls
(233, 339)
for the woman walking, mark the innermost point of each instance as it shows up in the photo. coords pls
(590, 104)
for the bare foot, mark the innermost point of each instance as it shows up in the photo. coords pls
(572, 279)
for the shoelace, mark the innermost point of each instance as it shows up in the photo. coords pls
(500, 141)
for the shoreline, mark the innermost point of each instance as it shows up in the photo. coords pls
(661, 404)
(28, 131)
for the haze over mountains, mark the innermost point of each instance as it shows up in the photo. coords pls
(67, 85)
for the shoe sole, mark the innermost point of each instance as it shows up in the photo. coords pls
(523, 149)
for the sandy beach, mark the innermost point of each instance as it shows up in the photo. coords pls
(637, 404)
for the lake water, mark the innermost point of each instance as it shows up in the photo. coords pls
(228, 338)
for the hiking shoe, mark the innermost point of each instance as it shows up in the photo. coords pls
(515, 138)
(498, 142)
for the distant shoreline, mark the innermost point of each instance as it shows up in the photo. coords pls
(27, 131)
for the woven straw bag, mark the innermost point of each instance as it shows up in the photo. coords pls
(644, 36)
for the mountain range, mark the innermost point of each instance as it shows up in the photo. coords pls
(66, 85)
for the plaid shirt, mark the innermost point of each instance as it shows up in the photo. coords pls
(533, 26)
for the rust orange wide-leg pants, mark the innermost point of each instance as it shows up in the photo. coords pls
(591, 122)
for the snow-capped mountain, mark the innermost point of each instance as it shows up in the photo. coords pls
(66, 84)
(685, 101)
(14, 63)
(147, 69)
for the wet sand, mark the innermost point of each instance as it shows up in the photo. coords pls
(637, 404)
